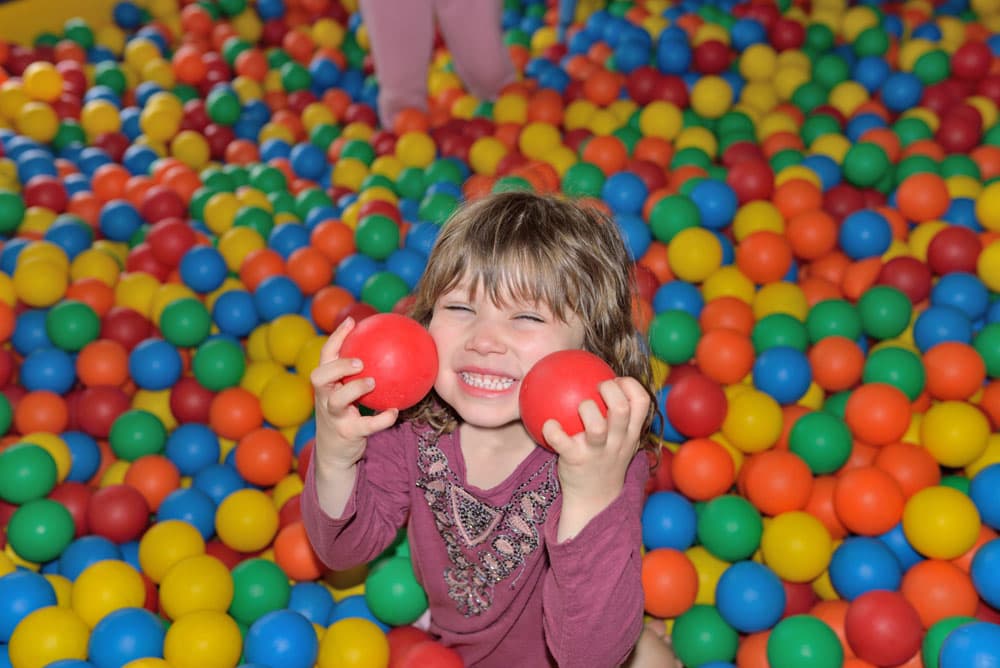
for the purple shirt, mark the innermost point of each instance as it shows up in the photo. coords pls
(501, 590)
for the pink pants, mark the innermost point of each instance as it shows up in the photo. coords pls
(402, 40)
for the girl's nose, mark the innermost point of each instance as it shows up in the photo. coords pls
(486, 337)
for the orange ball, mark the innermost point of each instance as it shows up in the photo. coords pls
(727, 313)
(602, 87)
(41, 410)
(725, 355)
(939, 589)
(259, 265)
(923, 196)
(912, 466)
(764, 256)
(702, 469)
(102, 362)
(777, 481)
(108, 181)
(878, 413)
(234, 413)
(752, 652)
(836, 362)
(989, 402)
(155, 477)
(669, 583)
(954, 370)
(797, 196)
(263, 457)
(93, 292)
(833, 613)
(820, 506)
(310, 269)
(334, 239)
(868, 500)
(294, 554)
(608, 153)
(328, 306)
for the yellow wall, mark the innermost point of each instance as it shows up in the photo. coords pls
(22, 20)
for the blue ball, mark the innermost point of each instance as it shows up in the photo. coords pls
(420, 237)
(353, 271)
(119, 220)
(861, 564)
(305, 433)
(192, 506)
(782, 372)
(287, 238)
(975, 645)
(276, 296)
(235, 313)
(49, 369)
(203, 269)
(985, 572)
(218, 481)
(313, 601)
(124, 635)
(901, 91)
(325, 73)
(22, 592)
(635, 233)
(716, 202)
(678, 296)
(963, 291)
(274, 148)
(155, 364)
(71, 234)
(983, 492)
(138, 159)
(309, 161)
(962, 211)
(356, 607)
(750, 597)
(85, 456)
(127, 15)
(192, 447)
(865, 234)
(30, 333)
(61, 663)
(408, 264)
(941, 323)
(282, 638)
(85, 551)
(668, 520)
(130, 554)
(661, 426)
(673, 56)
(895, 539)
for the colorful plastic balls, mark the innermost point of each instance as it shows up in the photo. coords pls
(185, 322)
(696, 406)
(119, 220)
(377, 236)
(21, 593)
(48, 635)
(393, 593)
(885, 311)
(865, 234)
(668, 521)
(284, 638)
(923, 196)
(625, 193)
(796, 546)
(701, 635)
(823, 441)
(118, 512)
(669, 582)
(865, 164)
(39, 530)
(803, 641)
(136, 433)
(982, 491)
(975, 644)
(202, 639)
(878, 413)
(124, 635)
(40, 282)
(203, 269)
(783, 373)
(750, 597)
(861, 564)
(883, 628)
(353, 642)
(277, 295)
(694, 254)
(753, 422)
(730, 527)
(197, 582)
(192, 447)
(671, 214)
(155, 364)
(673, 336)
(27, 472)
(954, 432)
(702, 469)
(259, 587)
(49, 369)
(219, 363)
(246, 520)
(941, 522)
(984, 572)
(716, 203)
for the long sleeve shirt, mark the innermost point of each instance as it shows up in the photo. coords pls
(501, 590)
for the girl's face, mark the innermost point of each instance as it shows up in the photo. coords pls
(485, 350)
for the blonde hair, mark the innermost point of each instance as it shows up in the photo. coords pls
(538, 248)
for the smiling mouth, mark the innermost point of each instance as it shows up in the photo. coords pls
(486, 382)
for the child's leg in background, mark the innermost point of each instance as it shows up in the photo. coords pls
(401, 33)
(472, 31)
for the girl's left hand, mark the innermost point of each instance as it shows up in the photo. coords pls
(592, 464)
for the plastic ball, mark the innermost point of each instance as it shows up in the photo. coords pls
(48, 635)
(941, 522)
(696, 406)
(983, 572)
(246, 520)
(883, 628)
(104, 587)
(354, 643)
(259, 587)
(701, 635)
(21, 593)
(802, 640)
(40, 530)
(218, 363)
(27, 472)
(711, 96)
(669, 582)
(861, 564)
(393, 593)
(198, 582)
(749, 596)
(165, 544)
(282, 638)
(797, 546)
(554, 388)
(668, 521)
(730, 528)
(125, 635)
(117, 512)
(971, 644)
(203, 638)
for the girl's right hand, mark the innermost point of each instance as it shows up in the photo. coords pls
(341, 430)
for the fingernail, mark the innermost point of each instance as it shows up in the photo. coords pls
(356, 364)
(370, 382)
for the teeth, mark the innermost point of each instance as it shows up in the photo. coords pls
(487, 382)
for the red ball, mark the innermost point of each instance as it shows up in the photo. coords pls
(556, 385)
(842, 200)
(190, 401)
(161, 202)
(118, 512)
(646, 282)
(218, 137)
(787, 34)
(883, 628)
(642, 83)
(972, 61)
(432, 655)
(75, 496)
(141, 260)
(7, 366)
(169, 239)
(401, 640)
(653, 176)
(46, 191)
(712, 57)
(751, 180)
(125, 326)
(908, 274)
(800, 597)
(227, 555)
(672, 88)
(113, 143)
(399, 354)
(954, 248)
(696, 406)
(99, 407)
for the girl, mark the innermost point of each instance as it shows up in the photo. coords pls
(528, 557)
(402, 39)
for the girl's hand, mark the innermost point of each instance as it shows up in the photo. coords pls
(593, 463)
(341, 431)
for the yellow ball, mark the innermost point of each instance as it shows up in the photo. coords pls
(756, 216)
(328, 33)
(415, 149)
(92, 263)
(988, 266)
(709, 569)
(257, 344)
(42, 81)
(246, 520)
(201, 582)
(780, 297)
(104, 587)
(537, 139)
(286, 335)
(56, 447)
(287, 400)
(204, 639)
(148, 662)
(44, 250)
(954, 432)
(156, 402)
(485, 154)
(660, 119)
(39, 283)
(758, 62)
(259, 374)
(38, 121)
(578, 114)
(350, 173)
(191, 148)
(12, 98)
(728, 281)
(796, 546)
(140, 51)
(159, 124)
(308, 358)
(847, 96)
(711, 96)
(603, 122)
(238, 242)
(988, 207)
(136, 291)
(941, 522)
(165, 543)
(693, 254)
(354, 642)
(753, 422)
(699, 138)
(510, 108)
(47, 635)
(63, 588)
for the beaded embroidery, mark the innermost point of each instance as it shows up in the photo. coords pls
(485, 543)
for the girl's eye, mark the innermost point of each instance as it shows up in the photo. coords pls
(457, 307)
(530, 317)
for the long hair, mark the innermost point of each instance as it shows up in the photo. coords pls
(532, 248)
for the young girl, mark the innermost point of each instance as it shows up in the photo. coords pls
(402, 40)
(528, 557)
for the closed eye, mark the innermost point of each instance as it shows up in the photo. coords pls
(457, 307)
(530, 317)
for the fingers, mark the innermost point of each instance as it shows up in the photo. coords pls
(347, 394)
(325, 375)
(331, 348)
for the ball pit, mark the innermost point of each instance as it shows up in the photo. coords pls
(193, 194)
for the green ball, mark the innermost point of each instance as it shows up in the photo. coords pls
(817, 126)
(312, 198)
(137, 433)
(987, 343)
(256, 218)
(885, 311)
(223, 106)
(803, 641)
(40, 530)
(507, 184)
(281, 200)
(232, 48)
(956, 482)
(674, 335)
(383, 290)
(865, 164)
(672, 214)
(836, 403)
(294, 77)
(185, 322)
(932, 67)
(957, 164)
(232, 7)
(218, 364)
(27, 472)
(359, 150)
(393, 593)
(691, 155)
(78, 30)
(819, 37)
(109, 74)
(779, 330)
(71, 325)
(410, 183)
(437, 208)
(910, 130)
(830, 70)
(259, 587)
(583, 179)
(69, 132)
(788, 157)
(444, 170)
(377, 236)
(897, 367)
(809, 95)
(930, 649)
(730, 527)
(324, 134)
(833, 317)
(701, 635)
(12, 210)
(6, 414)
(822, 441)
(915, 164)
(268, 179)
